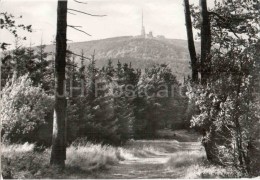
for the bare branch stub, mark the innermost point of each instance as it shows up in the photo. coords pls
(71, 13)
(75, 26)
(86, 13)
(79, 30)
(80, 2)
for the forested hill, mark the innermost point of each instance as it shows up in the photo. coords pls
(142, 53)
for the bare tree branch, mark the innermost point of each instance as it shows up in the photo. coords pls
(71, 13)
(86, 13)
(219, 16)
(234, 32)
(75, 26)
(70, 52)
(80, 2)
(69, 64)
(79, 30)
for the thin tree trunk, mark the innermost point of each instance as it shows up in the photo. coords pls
(58, 153)
(240, 150)
(205, 42)
(205, 68)
(191, 45)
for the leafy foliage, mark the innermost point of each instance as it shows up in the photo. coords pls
(228, 104)
(24, 108)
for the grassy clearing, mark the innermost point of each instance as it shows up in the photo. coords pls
(89, 160)
(154, 146)
(21, 161)
(195, 166)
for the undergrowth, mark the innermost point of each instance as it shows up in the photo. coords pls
(195, 166)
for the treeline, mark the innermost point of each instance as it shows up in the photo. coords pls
(110, 105)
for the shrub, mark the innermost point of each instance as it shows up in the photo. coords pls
(204, 171)
(23, 109)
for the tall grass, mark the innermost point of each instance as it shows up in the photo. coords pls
(16, 148)
(92, 156)
(21, 161)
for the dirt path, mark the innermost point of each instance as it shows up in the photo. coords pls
(153, 166)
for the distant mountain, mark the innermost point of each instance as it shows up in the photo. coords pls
(140, 52)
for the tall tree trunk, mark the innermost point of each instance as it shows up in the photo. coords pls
(209, 145)
(191, 45)
(205, 42)
(58, 153)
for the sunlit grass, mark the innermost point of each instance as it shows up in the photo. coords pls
(195, 166)
(154, 146)
(186, 159)
(26, 147)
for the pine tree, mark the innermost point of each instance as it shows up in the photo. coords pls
(44, 74)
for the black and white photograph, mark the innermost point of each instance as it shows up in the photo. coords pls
(130, 89)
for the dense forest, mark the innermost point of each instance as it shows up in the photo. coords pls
(73, 115)
(109, 105)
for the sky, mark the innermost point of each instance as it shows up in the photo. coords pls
(123, 18)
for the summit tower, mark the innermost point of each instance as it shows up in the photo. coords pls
(143, 28)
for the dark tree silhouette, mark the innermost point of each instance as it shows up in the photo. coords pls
(191, 45)
(205, 42)
(58, 153)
